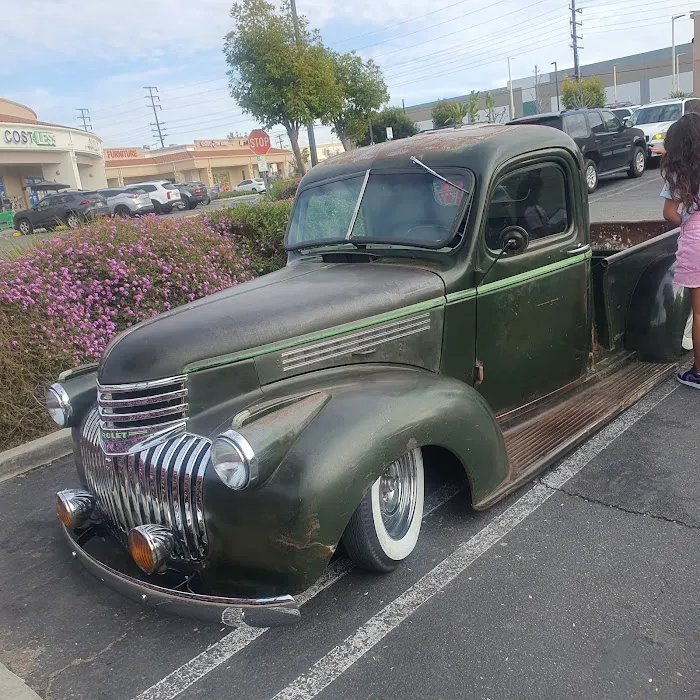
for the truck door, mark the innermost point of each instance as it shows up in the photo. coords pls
(532, 334)
(621, 139)
(604, 142)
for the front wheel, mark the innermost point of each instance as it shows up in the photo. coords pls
(122, 211)
(384, 529)
(24, 226)
(638, 164)
(591, 176)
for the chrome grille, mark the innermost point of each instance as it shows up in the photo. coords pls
(161, 485)
(136, 416)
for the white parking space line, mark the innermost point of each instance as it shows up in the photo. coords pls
(220, 652)
(342, 657)
(596, 197)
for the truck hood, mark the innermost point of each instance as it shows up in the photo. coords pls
(302, 298)
(655, 128)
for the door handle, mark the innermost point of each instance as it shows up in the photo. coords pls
(579, 249)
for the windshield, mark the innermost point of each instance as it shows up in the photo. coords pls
(657, 113)
(397, 208)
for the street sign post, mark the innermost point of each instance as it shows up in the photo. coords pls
(259, 143)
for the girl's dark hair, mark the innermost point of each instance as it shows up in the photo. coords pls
(680, 165)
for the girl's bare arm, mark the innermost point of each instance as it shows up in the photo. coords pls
(671, 212)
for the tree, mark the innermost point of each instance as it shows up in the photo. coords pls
(363, 91)
(541, 101)
(446, 113)
(490, 108)
(389, 116)
(587, 93)
(678, 94)
(274, 77)
(473, 106)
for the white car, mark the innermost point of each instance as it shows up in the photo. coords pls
(256, 185)
(164, 195)
(655, 118)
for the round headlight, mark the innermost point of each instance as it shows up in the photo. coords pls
(658, 137)
(58, 405)
(234, 460)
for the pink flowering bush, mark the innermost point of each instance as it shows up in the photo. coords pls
(61, 302)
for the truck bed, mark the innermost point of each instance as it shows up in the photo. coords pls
(621, 253)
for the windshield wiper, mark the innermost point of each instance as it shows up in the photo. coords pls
(434, 174)
(356, 210)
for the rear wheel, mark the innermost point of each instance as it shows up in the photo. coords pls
(254, 190)
(72, 220)
(24, 226)
(121, 210)
(591, 171)
(156, 207)
(638, 164)
(384, 529)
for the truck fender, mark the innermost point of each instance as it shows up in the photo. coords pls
(657, 314)
(349, 438)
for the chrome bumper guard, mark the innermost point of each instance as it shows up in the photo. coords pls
(234, 612)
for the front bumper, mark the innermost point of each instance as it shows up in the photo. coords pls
(253, 612)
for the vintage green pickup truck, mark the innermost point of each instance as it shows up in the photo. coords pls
(442, 301)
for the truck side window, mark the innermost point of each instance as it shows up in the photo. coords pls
(575, 125)
(534, 199)
(596, 122)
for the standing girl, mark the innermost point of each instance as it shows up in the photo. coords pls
(680, 168)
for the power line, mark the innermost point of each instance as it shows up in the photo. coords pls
(85, 116)
(153, 98)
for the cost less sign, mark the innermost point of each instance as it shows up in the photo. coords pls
(259, 142)
(25, 138)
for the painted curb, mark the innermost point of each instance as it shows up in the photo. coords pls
(35, 454)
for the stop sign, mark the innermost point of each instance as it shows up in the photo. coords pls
(259, 142)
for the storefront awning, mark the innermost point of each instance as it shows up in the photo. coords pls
(47, 185)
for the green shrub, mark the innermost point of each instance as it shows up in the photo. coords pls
(228, 195)
(283, 189)
(261, 225)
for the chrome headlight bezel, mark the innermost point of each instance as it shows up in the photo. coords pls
(58, 405)
(234, 460)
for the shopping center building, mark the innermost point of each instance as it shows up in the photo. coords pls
(223, 162)
(32, 150)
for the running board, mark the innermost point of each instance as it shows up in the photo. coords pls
(534, 444)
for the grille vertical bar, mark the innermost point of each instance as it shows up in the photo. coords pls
(161, 485)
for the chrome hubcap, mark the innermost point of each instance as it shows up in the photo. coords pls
(639, 162)
(24, 228)
(398, 492)
(72, 221)
(590, 176)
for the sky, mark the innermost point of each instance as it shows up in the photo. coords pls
(99, 55)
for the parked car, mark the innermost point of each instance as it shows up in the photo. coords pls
(608, 145)
(256, 185)
(164, 195)
(655, 118)
(192, 193)
(212, 194)
(623, 113)
(123, 201)
(70, 208)
(229, 446)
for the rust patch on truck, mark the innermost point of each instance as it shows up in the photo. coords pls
(620, 235)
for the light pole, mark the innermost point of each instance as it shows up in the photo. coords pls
(674, 81)
(556, 81)
(510, 87)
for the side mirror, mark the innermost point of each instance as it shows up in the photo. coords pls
(627, 122)
(514, 240)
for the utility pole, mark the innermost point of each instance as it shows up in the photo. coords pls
(615, 82)
(510, 87)
(575, 39)
(310, 125)
(674, 79)
(157, 123)
(403, 104)
(279, 140)
(537, 89)
(556, 82)
(85, 116)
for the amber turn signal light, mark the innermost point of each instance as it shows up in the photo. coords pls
(74, 507)
(151, 546)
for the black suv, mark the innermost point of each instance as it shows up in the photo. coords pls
(607, 144)
(61, 209)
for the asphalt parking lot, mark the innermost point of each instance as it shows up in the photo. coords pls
(581, 585)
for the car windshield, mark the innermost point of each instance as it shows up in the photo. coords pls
(657, 113)
(396, 208)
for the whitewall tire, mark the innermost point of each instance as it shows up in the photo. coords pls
(385, 528)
